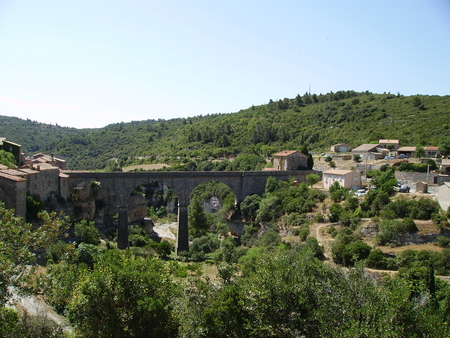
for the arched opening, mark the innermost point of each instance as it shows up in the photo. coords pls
(152, 209)
(211, 207)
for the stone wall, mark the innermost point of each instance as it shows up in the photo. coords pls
(14, 193)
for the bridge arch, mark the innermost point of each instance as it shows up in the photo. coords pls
(121, 184)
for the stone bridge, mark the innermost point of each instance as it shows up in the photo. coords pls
(242, 184)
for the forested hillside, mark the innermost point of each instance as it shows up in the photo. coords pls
(309, 120)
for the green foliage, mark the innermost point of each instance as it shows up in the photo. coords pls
(312, 179)
(295, 295)
(124, 296)
(21, 244)
(417, 167)
(442, 241)
(262, 130)
(390, 229)
(34, 207)
(7, 159)
(444, 145)
(87, 232)
(335, 212)
(249, 206)
(206, 244)
(351, 253)
(384, 180)
(198, 223)
(338, 193)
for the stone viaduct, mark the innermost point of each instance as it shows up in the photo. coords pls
(242, 184)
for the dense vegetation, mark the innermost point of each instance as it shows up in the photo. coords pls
(277, 289)
(264, 285)
(308, 121)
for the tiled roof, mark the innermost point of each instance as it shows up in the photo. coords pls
(366, 147)
(286, 153)
(388, 141)
(407, 149)
(337, 172)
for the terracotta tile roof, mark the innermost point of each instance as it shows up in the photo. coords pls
(5, 174)
(285, 153)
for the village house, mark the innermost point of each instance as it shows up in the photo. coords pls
(39, 176)
(392, 145)
(290, 160)
(408, 151)
(443, 195)
(370, 151)
(346, 178)
(432, 151)
(341, 148)
(445, 166)
(49, 159)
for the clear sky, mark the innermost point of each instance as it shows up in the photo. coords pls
(89, 63)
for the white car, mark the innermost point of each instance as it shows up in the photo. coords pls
(360, 192)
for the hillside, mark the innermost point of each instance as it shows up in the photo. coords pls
(314, 121)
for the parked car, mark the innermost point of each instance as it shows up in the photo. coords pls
(360, 192)
(403, 188)
(389, 157)
(402, 156)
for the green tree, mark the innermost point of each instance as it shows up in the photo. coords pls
(7, 159)
(444, 146)
(312, 179)
(21, 245)
(420, 152)
(197, 220)
(87, 232)
(249, 206)
(124, 296)
(385, 180)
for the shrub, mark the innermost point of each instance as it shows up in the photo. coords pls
(87, 232)
(442, 241)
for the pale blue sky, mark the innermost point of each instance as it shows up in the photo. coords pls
(89, 63)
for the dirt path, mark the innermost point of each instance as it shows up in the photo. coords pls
(317, 230)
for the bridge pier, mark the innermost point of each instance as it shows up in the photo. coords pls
(122, 231)
(183, 233)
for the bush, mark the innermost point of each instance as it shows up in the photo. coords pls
(442, 241)
(349, 254)
(87, 232)
(376, 260)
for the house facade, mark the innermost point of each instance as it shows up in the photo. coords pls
(392, 145)
(445, 166)
(289, 160)
(408, 151)
(432, 151)
(346, 178)
(371, 151)
(341, 148)
(443, 195)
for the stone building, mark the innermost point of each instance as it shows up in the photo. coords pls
(290, 160)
